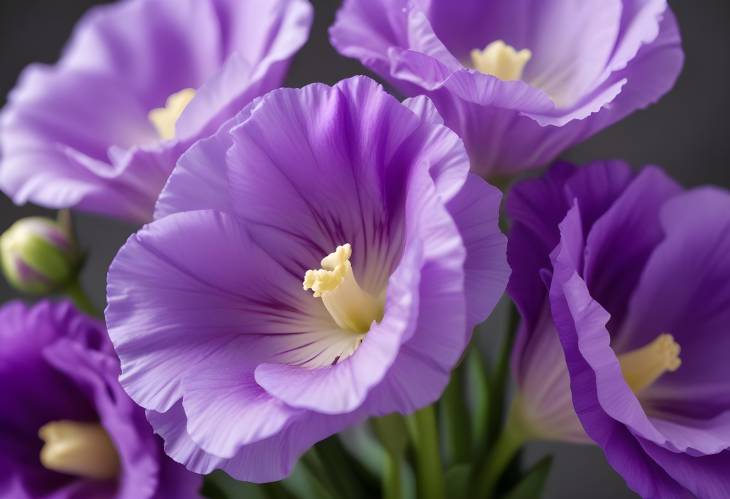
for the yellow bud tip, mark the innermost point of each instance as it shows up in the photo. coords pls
(644, 366)
(501, 60)
(81, 449)
(351, 307)
(165, 118)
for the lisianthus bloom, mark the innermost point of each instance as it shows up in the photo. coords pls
(67, 429)
(520, 81)
(634, 273)
(140, 81)
(321, 259)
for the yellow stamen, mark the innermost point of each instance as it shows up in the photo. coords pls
(501, 60)
(643, 366)
(82, 449)
(350, 306)
(165, 118)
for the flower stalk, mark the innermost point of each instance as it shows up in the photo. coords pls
(429, 470)
(76, 293)
(510, 440)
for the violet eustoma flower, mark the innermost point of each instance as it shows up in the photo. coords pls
(323, 258)
(637, 273)
(67, 429)
(140, 81)
(519, 80)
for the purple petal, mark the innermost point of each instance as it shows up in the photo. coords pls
(149, 45)
(230, 398)
(256, 462)
(620, 242)
(174, 273)
(704, 476)
(604, 403)
(684, 290)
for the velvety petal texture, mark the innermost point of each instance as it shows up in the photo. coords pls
(620, 260)
(242, 369)
(591, 64)
(58, 365)
(80, 134)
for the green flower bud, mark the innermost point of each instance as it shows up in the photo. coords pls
(39, 255)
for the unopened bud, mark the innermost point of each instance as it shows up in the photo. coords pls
(39, 255)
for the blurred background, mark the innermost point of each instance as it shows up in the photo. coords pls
(687, 133)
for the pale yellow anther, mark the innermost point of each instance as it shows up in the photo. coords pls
(643, 366)
(165, 118)
(81, 449)
(351, 307)
(501, 60)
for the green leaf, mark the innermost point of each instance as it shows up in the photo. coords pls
(533, 482)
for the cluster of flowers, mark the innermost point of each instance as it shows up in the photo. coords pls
(316, 257)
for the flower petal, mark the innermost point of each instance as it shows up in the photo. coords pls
(685, 291)
(171, 276)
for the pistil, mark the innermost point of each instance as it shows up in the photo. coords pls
(501, 60)
(351, 307)
(81, 449)
(644, 366)
(165, 118)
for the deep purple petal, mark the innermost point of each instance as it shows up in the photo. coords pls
(684, 291)
(537, 207)
(620, 242)
(57, 364)
(604, 403)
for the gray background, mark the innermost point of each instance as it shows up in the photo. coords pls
(686, 132)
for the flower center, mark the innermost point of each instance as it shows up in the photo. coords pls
(643, 366)
(501, 60)
(352, 308)
(82, 449)
(165, 118)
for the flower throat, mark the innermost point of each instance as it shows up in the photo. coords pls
(351, 307)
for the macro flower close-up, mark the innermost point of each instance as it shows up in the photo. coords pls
(519, 80)
(364, 249)
(67, 429)
(370, 255)
(101, 129)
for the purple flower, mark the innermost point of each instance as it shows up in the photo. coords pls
(67, 429)
(635, 273)
(139, 83)
(520, 81)
(321, 259)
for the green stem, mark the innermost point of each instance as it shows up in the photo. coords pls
(392, 485)
(510, 441)
(456, 418)
(501, 371)
(393, 435)
(82, 301)
(318, 478)
(422, 426)
(212, 489)
(337, 465)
